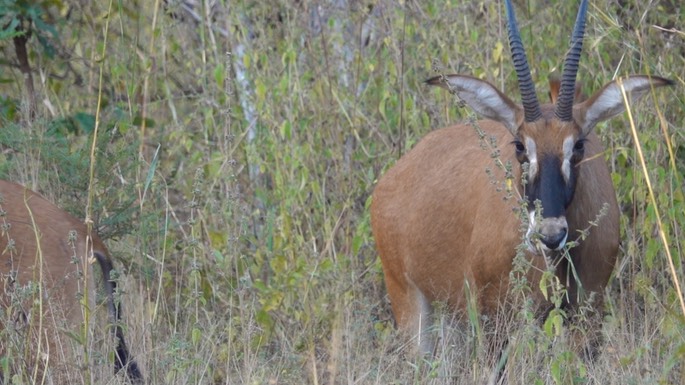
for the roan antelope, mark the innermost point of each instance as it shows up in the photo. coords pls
(42, 243)
(441, 222)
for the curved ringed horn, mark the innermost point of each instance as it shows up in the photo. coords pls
(531, 106)
(564, 109)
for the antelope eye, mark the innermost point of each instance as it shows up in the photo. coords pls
(579, 146)
(520, 148)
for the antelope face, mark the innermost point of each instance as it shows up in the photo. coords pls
(549, 150)
(550, 138)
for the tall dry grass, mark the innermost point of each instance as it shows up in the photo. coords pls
(239, 143)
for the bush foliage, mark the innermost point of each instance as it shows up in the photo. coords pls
(237, 145)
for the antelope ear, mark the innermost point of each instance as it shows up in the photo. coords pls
(484, 98)
(608, 102)
(554, 86)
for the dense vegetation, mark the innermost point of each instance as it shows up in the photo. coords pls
(227, 152)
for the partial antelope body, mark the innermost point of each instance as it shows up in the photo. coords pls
(43, 244)
(440, 223)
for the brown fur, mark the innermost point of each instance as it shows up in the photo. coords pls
(438, 220)
(445, 221)
(36, 247)
(442, 223)
(555, 87)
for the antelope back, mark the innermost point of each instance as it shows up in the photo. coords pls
(44, 253)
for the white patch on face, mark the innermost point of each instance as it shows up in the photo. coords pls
(568, 153)
(551, 225)
(531, 153)
(563, 242)
(531, 230)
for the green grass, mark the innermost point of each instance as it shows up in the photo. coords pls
(246, 246)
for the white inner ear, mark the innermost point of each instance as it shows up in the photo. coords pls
(485, 99)
(609, 101)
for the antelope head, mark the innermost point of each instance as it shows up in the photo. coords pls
(549, 139)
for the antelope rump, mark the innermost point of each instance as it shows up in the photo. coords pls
(44, 250)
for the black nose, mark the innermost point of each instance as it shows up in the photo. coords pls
(554, 241)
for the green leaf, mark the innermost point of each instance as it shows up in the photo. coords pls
(86, 122)
(220, 75)
(196, 335)
(286, 130)
(138, 120)
(10, 31)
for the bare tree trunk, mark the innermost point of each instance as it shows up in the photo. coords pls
(349, 37)
(25, 68)
(240, 47)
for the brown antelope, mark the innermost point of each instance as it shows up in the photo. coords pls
(442, 223)
(43, 244)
